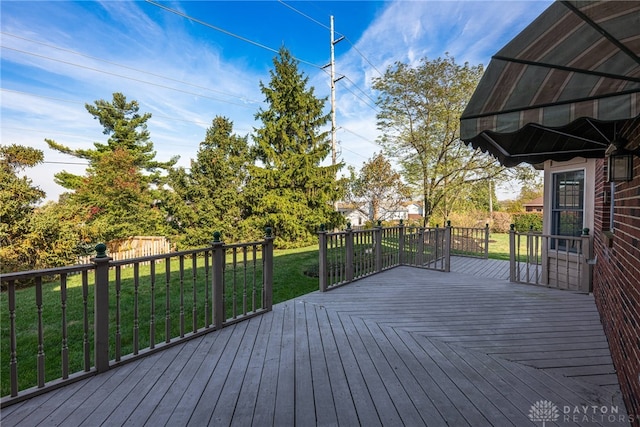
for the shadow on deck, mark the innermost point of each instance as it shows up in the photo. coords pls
(403, 347)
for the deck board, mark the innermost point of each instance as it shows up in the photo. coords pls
(404, 347)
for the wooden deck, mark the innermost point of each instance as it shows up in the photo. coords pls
(404, 347)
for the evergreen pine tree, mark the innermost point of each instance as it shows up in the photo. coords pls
(291, 191)
(210, 195)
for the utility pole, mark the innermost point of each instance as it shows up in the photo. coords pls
(333, 93)
(332, 64)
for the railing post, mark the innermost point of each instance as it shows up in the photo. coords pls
(447, 247)
(267, 256)
(378, 246)
(101, 309)
(420, 247)
(486, 241)
(585, 284)
(322, 261)
(217, 281)
(512, 253)
(401, 244)
(348, 247)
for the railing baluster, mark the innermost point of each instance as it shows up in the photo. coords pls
(255, 276)
(136, 314)
(118, 320)
(65, 338)
(234, 294)
(207, 311)
(167, 301)
(244, 286)
(566, 262)
(537, 259)
(40, 355)
(152, 315)
(194, 282)
(86, 345)
(182, 325)
(13, 364)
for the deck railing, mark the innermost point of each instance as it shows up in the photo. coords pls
(81, 320)
(349, 255)
(551, 260)
(470, 242)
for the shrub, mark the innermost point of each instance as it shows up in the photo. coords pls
(524, 221)
(500, 222)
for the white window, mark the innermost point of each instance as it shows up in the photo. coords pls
(567, 208)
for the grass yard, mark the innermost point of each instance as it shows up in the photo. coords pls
(499, 246)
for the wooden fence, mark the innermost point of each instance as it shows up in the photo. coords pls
(134, 247)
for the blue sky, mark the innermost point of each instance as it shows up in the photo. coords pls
(209, 58)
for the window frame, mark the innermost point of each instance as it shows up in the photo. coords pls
(557, 208)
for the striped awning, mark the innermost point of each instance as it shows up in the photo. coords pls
(564, 87)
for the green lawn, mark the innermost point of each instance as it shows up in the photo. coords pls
(499, 246)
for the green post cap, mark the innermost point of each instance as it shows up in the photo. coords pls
(585, 231)
(268, 232)
(512, 227)
(216, 236)
(101, 250)
(348, 225)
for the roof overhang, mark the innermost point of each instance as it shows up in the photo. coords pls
(564, 87)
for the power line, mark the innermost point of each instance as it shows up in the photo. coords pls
(342, 35)
(363, 92)
(359, 136)
(306, 16)
(66, 163)
(127, 67)
(362, 55)
(356, 49)
(153, 115)
(229, 33)
(126, 77)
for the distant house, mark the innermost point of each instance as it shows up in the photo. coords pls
(392, 213)
(352, 214)
(414, 211)
(386, 212)
(535, 205)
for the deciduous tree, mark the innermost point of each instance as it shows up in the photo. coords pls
(419, 117)
(18, 199)
(377, 190)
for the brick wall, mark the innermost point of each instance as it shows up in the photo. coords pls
(616, 276)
